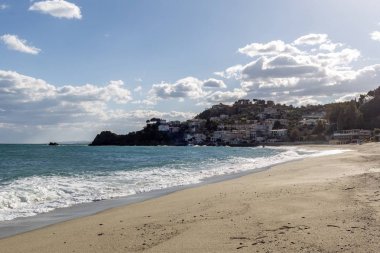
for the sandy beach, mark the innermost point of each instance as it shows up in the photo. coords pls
(320, 204)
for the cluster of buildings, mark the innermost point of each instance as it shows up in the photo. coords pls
(164, 126)
(249, 133)
(313, 119)
(268, 127)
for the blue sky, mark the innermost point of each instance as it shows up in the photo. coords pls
(69, 69)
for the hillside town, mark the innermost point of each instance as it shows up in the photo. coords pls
(224, 130)
(259, 122)
(266, 127)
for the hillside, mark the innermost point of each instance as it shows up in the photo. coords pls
(248, 123)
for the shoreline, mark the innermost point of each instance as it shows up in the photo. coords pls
(229, 215)
(23, 225)
(28, 224)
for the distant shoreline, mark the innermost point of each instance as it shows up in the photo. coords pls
(228, 145)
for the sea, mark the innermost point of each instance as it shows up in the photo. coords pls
(37, 179)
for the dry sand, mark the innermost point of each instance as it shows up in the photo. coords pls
(323, 204)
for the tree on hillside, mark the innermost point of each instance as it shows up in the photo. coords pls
(320, 128)
(371, 110)
(345, 115)
(277, 125)
(295, 135)
(211, 126)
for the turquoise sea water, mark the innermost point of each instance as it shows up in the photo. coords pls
(39, 178)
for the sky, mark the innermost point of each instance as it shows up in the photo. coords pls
(70, 69)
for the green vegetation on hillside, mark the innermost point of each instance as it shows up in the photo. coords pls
(364, 113)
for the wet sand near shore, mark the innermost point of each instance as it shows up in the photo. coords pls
(321, 204)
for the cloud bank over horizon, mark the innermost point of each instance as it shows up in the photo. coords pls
(30, 103)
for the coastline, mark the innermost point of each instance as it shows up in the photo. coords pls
(29, 224)
(279, 206)
(26, 224)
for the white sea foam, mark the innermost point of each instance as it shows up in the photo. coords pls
(34, 195)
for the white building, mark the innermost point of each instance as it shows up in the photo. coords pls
(312, 119)
(351, 136)
(279, 133)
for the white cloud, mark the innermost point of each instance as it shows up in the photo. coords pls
(270, 48)
(214, 83)
(348, 97)
(375, 35)
(226, 96)
(312, 39)
(231, 72)
(32, 110)
(13, 42)
(4, 6)
(114, 91)
(281, 66)
(313, 69)
(57, 8)
(20, 93)
(329, 46)
(138, 89)
(188, 87)
(303, 101)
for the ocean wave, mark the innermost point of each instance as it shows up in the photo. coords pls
(39, 194)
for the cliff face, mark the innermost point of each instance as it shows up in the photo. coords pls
(149, 136)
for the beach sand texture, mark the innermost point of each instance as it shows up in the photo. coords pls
(321, 204)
